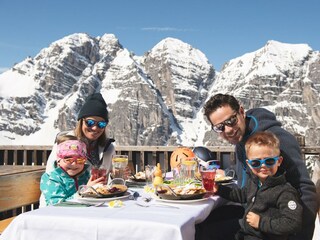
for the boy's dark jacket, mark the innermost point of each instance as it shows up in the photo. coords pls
(260, 119)
(276, 201)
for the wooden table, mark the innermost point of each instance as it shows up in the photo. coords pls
(19, 185)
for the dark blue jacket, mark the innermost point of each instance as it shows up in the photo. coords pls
(260, 119)
(276, 202)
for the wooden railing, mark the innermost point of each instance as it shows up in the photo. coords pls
(138, 155)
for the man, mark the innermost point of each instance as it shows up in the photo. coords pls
(229, 119)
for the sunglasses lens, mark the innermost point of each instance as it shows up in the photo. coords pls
(218, 128)
(102, 124)
(255, 163)
(90, 122)
(81, 160)
(270, 161)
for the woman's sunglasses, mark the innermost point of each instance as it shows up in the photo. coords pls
(268, 162)
(230, 122)
(90, 123)
(77, 160)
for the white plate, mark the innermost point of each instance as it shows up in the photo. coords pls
(99, 200)
(181, 201)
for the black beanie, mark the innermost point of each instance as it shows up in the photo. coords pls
(94, 106)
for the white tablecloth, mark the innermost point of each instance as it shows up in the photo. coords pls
(98, 223)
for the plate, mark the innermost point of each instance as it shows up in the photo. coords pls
(183, 201)
(225, 179)
(132, 179)
(131, 183)
(88, 192)
(99, 200)
(180, 197)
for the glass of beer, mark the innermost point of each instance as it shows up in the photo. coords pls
(119, 164)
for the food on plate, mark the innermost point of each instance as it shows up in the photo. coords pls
(188, 189)
(222, 178)
(157, 180)
(102, 190)
(139, 176)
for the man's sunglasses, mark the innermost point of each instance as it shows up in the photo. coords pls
(268, 162)
(90, 123)
(77, 160)
(230, 122)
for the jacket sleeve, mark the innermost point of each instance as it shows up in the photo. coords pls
(290, 217)
(234, 193)
(297, 174)
(52, 189)
(107, 157)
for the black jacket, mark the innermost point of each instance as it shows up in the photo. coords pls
(276, 202)
(259, 119)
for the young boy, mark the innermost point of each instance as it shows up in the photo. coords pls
(70, 172)
(273, 209)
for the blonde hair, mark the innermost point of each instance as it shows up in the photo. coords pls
(102, 140)
(63, 138)
(265, 138)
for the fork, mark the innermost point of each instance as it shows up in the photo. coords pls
(156, 205)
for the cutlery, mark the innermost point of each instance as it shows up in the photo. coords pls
(156, 205)
(171, 190)
(147, 199)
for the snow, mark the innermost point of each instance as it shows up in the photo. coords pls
(14, 84)
(274, 58)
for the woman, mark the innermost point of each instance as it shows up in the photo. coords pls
(91, 129)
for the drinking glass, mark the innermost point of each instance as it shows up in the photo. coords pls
(149, 173)
(119, 164)
(97, 172)
(188, 168)
(208, 176)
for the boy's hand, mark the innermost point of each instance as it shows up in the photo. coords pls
(253, 219)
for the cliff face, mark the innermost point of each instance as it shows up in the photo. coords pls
(155, 99)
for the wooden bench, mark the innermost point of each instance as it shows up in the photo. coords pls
(19, 187)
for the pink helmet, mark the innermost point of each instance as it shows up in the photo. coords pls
(72, 148)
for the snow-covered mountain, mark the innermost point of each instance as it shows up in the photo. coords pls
(157, 98)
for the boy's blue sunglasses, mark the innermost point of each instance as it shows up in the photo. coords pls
(269, 162)
(90, 123)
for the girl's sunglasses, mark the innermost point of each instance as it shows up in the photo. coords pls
(268, 162)
(230, 122)
(77, 160)
(90, 123)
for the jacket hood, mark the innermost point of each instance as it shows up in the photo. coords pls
(263, 119)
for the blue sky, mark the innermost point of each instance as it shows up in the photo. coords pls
(221, 29)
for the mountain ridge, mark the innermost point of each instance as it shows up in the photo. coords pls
(162, 92)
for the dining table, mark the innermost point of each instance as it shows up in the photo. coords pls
(140, 215)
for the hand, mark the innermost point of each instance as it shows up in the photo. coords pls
(92, 182)
(253, 219)
(215, 187)
(127, 172)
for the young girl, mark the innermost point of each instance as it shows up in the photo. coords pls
(69, 173)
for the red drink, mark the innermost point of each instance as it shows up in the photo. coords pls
(98, 172)
(208, 177)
